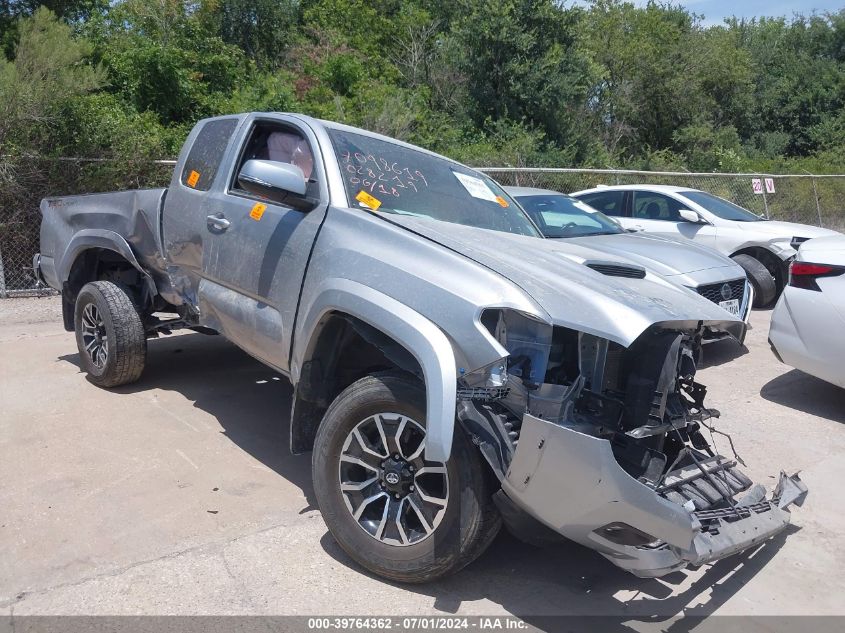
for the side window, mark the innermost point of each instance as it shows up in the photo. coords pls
(272, 141)
(207, 153)
(608, 202)
(656, 206)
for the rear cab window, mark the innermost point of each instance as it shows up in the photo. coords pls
(608, 202)
(206, 153)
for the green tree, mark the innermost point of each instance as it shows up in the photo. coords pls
(522, 62)
(263, 29)
(162, 58)
(49, 67)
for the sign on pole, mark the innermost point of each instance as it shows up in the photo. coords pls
(770, 185)
(757, 185)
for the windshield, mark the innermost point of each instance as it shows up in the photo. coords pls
(720, 207)
(390, 178)
(558, 215)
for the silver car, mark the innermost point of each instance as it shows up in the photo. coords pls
(762, 247)
(810, 313)
(591, 236)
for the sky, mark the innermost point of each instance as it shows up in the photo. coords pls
(715, 11)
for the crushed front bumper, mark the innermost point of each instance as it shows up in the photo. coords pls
(572, 483)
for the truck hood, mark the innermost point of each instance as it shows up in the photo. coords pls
(570, 293)
(661, 255)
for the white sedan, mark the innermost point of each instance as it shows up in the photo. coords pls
(762, 247)
(589, 234)
(808, 321)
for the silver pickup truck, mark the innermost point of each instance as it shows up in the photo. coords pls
(452, 369)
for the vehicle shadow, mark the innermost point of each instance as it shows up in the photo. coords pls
(809, 394)
(721, 352)
(249, 400)
(550, 588)
(252, 403)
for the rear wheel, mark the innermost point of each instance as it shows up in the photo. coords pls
(109, 334)
(394, 512)
(764, 284)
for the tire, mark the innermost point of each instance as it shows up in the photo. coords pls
(765, 286)
(453, 538)
(109, 334)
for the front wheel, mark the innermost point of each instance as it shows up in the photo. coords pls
(109, 334)
(762, 280)
(394, 512)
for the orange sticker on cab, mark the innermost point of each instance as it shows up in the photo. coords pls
(193, 178)
(257, 211)
(367, 200)
(502, 202)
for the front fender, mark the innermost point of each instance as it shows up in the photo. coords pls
(422, 338)
(740, 241)
(99, 238)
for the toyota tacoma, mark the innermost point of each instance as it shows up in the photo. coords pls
(452, 369)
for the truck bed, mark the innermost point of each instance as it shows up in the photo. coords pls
(124, 220)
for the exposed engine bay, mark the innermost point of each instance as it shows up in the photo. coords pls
(640, 410)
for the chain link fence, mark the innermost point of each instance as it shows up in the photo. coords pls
(24, 181)
(804, 198)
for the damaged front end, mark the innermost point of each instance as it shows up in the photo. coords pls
(606, 445)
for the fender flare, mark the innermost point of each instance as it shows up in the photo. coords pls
(780, 254)
(422, 338)
(101, 238)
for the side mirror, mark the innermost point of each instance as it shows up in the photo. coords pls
(688, 215)
(266, 177)
(279, 182)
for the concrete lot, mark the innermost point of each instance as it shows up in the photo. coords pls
(177, 495)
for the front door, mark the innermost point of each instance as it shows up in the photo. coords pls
(257, 250)
(657, 213)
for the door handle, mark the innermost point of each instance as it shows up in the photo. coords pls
(217, 221)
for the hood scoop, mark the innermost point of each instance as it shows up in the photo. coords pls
(618, 270)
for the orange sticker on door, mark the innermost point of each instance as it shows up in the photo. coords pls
(257, 211)
(367, 200)
(193, 178)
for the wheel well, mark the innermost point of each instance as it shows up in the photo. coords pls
(99, 264)
(343, 350)
(771, 261)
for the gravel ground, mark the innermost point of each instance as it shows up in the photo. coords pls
(177, 495)
(26, 310)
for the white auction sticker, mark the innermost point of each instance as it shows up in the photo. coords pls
(476, 187)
